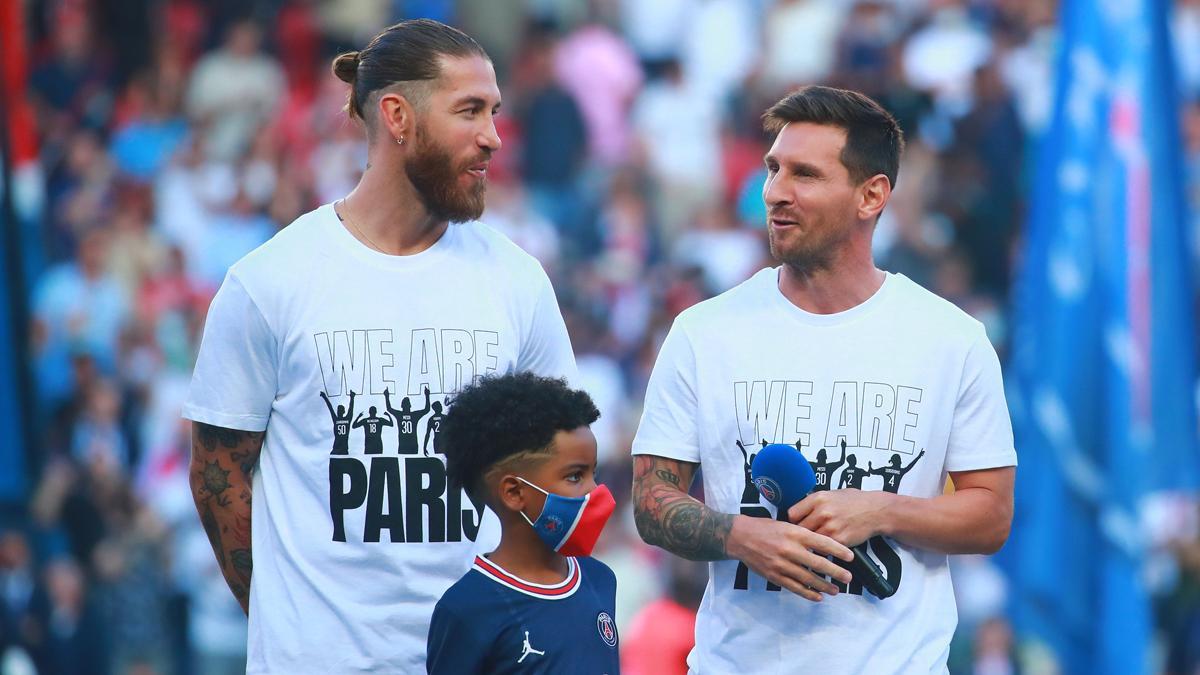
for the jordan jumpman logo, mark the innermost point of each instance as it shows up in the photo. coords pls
(527, 649)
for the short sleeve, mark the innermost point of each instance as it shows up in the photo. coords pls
(547, 348)
(981, 435)
(669, 426)
(453, 648)
(235, 380)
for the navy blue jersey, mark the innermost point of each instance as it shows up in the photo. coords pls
(490, 621)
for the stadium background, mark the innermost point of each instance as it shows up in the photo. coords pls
(153, 142)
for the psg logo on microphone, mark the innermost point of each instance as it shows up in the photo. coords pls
(768, 488)
(608, 630)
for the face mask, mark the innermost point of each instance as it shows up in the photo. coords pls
(571, 525)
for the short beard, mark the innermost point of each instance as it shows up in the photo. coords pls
(433, 173)
(801, 260)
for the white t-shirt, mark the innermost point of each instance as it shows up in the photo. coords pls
(901, 374)
(354, 534)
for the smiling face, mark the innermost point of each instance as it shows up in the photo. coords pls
(455, 138)
(812, 203)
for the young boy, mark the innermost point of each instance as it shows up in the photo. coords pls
(538, 603)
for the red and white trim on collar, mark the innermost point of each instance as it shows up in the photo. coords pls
(563, 589)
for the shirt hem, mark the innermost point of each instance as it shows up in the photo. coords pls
(992, 461)
(668, 452)
(227, 420)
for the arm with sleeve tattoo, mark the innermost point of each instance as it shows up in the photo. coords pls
(667, 516)
(223, 462)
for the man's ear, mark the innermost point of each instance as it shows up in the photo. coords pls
(874, 195)
(397, 116)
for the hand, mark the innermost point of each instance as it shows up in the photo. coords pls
(324, 396)
(351, 394)
(790, 556)
(426, 391)
(848, 516)
(385, 392)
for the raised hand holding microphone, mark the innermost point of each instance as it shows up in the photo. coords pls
(785, 478)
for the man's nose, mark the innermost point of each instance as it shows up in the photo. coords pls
(489, 138)
(774, 192)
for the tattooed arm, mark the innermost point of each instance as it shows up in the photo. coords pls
(787, 554)
(667, 516)
(223, 462)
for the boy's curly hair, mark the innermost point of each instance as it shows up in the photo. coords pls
(502, 420)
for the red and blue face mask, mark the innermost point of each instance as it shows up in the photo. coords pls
(571, 525)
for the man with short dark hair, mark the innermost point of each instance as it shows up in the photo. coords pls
(845, 354)
(351, 549)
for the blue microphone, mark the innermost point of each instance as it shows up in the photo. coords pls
(783, 477)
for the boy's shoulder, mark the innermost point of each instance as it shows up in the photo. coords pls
(469, 594)
(596, 572)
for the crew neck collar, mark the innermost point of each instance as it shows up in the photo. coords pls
(837, 318)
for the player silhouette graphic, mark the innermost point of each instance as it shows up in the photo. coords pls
(749, 492)
(752, 506)
(341, 425)
(527, 649)
(406, 422)
(823, 470)
(432, 428)
(374, 430)
(853, 475)
(892, 473)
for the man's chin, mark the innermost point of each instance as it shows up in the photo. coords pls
(467, 206)
(464, 214)
(801, 261)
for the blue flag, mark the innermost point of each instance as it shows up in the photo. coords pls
(14, 400)
(1103, 361)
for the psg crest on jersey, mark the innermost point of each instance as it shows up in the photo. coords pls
(608, 630)
(768, 488)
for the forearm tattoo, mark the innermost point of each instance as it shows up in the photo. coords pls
(668, 517)
(223, 463)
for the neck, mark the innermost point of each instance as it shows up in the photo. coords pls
(524, 554)
(384, 211)
(848, 281)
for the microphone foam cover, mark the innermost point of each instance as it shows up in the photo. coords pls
(782, 475)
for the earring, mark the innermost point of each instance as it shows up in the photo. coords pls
(400, 141)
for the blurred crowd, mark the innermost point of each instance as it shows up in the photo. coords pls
(177, 135)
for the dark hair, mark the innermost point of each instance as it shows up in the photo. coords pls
(874, 140)
(406, 52)
(507, 417)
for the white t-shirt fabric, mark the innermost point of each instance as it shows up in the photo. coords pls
(912, 386)
(354, 534)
